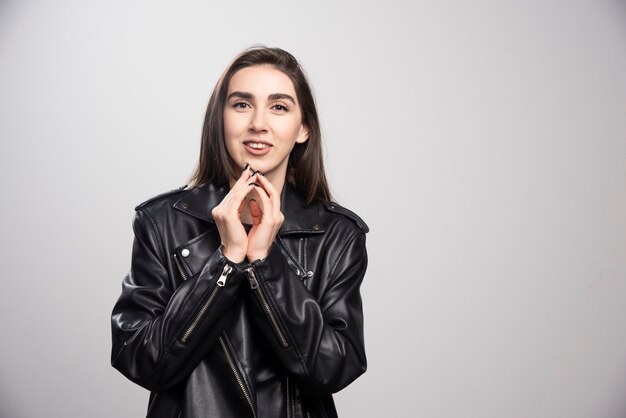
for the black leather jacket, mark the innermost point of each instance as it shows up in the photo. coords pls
(208, 338)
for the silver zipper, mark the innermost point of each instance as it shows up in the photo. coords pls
(289, 403)
(222, 280)
(231, 363)
(302, 259)
(305, 264)
(300, 251)
(180, 268)
(254, 285)
(299, 270)
(205, 306)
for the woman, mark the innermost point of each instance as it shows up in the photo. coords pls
(243, 295)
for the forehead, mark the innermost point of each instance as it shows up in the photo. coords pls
(261, 81)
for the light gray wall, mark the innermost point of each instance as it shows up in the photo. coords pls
(484, 142)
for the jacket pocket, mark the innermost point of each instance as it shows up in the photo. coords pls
(294, 263)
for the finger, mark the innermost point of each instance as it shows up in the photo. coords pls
(265, 200)
(245, 175)
(265, 184)
(255, 212)
(237, 198)
(232, 204)
(241, 189)
(271, 191)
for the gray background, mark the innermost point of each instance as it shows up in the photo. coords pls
(484, 142)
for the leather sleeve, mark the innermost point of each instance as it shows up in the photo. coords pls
(322, 343)
(160, 333)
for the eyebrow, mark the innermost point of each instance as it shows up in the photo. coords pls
(249, 96)
(279, 96)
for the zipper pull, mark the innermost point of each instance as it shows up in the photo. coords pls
(252, 277)
(222, 280)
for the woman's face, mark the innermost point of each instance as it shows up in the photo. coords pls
(262, 120)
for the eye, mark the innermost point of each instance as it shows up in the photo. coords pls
(280, 107)
(240, 105)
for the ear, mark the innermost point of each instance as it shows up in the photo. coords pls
(303, 135)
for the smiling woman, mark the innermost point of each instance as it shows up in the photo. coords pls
(263, 119)
(243, 297)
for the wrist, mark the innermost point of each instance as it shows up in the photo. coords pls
(234, 256)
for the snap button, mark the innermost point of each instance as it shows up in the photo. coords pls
(185, 252)
(184, 205)
(309, 273)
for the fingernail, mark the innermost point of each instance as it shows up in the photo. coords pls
(253, 184)
(258, 172)
(246, 167)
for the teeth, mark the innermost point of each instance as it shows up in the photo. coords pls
(257, 145)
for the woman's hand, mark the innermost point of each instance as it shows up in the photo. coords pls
(266, 222)
(227, 216)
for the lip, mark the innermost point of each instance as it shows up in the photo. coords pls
(257, 151)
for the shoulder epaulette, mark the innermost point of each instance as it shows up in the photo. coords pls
(174, 191)
(334, 207)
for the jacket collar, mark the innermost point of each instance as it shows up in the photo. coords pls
(299, 219)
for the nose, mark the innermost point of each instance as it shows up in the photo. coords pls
(259, 121)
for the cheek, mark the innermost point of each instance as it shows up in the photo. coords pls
(289, 128)
(230, 125)
(231, 132)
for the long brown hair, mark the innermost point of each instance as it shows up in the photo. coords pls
(305, 170)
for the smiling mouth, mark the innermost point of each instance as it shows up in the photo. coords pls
(257, 145)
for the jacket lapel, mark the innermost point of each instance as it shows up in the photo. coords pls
(199, 201)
